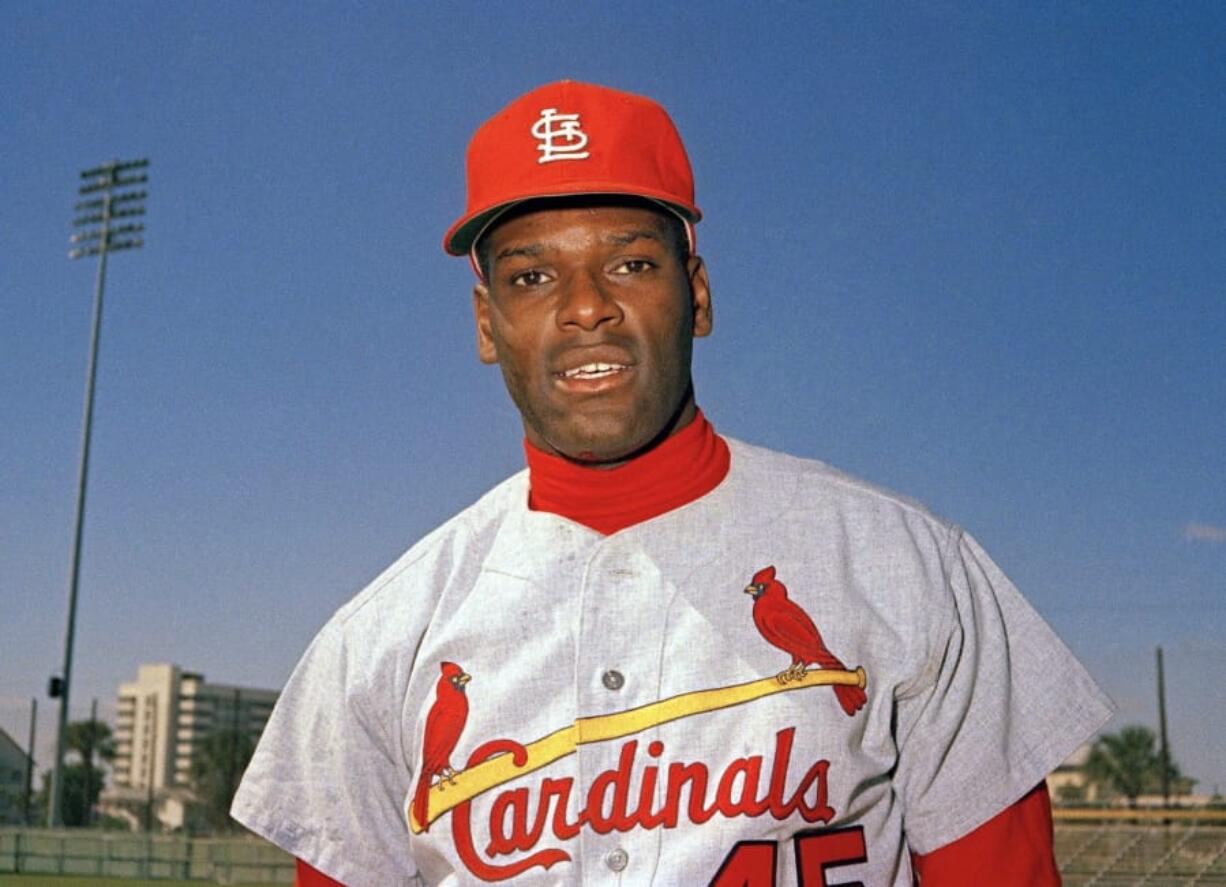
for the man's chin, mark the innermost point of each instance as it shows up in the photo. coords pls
(600, 445)
(607, 438)
(597, 454)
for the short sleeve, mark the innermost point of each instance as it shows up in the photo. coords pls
(327, 782)
(1006, 704)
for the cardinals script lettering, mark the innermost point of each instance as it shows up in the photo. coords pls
(624, 798)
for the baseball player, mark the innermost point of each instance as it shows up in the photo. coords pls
(658, 655)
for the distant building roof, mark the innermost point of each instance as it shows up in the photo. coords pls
(10, 750)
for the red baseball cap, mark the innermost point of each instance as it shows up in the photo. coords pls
(571, 138)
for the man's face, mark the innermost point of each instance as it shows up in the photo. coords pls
(592, 315)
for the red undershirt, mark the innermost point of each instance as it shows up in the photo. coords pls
(683, 468)
(1013, 849)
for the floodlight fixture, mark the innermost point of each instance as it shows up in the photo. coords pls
(112, 202)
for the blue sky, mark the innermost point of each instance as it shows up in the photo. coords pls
(972, 252)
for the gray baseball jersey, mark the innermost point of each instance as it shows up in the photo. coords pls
(519, 697)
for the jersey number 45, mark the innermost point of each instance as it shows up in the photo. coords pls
(753, 863)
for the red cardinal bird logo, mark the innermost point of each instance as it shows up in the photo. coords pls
(785, 625)
(444, 724)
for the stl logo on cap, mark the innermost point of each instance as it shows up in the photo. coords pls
(511, 157)
(574, 139)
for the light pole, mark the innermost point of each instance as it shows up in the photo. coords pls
(25, 820)
(112, 203)
(1165, 751)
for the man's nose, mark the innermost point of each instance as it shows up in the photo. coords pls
(586, 303)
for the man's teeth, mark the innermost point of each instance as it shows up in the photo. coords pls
(593, 371)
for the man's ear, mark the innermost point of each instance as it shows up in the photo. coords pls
(700, 296)
(486, 352)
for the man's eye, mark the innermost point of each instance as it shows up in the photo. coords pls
(634, 266)
(529, 278)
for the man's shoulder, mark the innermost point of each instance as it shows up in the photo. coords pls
(812, 480)
(433, 561)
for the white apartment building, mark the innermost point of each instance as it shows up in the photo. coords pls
(163, 718)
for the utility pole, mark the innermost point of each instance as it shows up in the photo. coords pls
(232, 774)
(30, 758)
(1165, 752)
(88, 818)
(153, 747)
(110, 205)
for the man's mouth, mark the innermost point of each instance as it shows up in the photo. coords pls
(594, 370)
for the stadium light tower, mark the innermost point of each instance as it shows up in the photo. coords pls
(112, 203)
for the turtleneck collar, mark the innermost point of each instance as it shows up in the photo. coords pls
(683, 468)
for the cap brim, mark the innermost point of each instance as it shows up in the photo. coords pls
(468, 230)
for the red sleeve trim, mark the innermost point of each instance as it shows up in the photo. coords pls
(305, 876)
(1012, 849)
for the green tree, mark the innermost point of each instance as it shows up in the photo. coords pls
(86, 742)
(216, 772)
(80, 794)
(1129, 763)
(90, 739)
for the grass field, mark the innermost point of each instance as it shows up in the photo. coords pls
(91, 881)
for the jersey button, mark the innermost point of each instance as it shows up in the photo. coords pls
(612, 680)
(617, 859)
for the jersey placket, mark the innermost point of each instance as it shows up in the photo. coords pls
(618, 658)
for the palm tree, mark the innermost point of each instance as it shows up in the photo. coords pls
(89, 738)
(88, 742)
(1129, 763)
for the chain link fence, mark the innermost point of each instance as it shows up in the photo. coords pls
(220, 860)
(1121, 855)
(1102, 854)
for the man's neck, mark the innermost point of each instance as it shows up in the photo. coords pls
(681, 418)
(685, 466)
